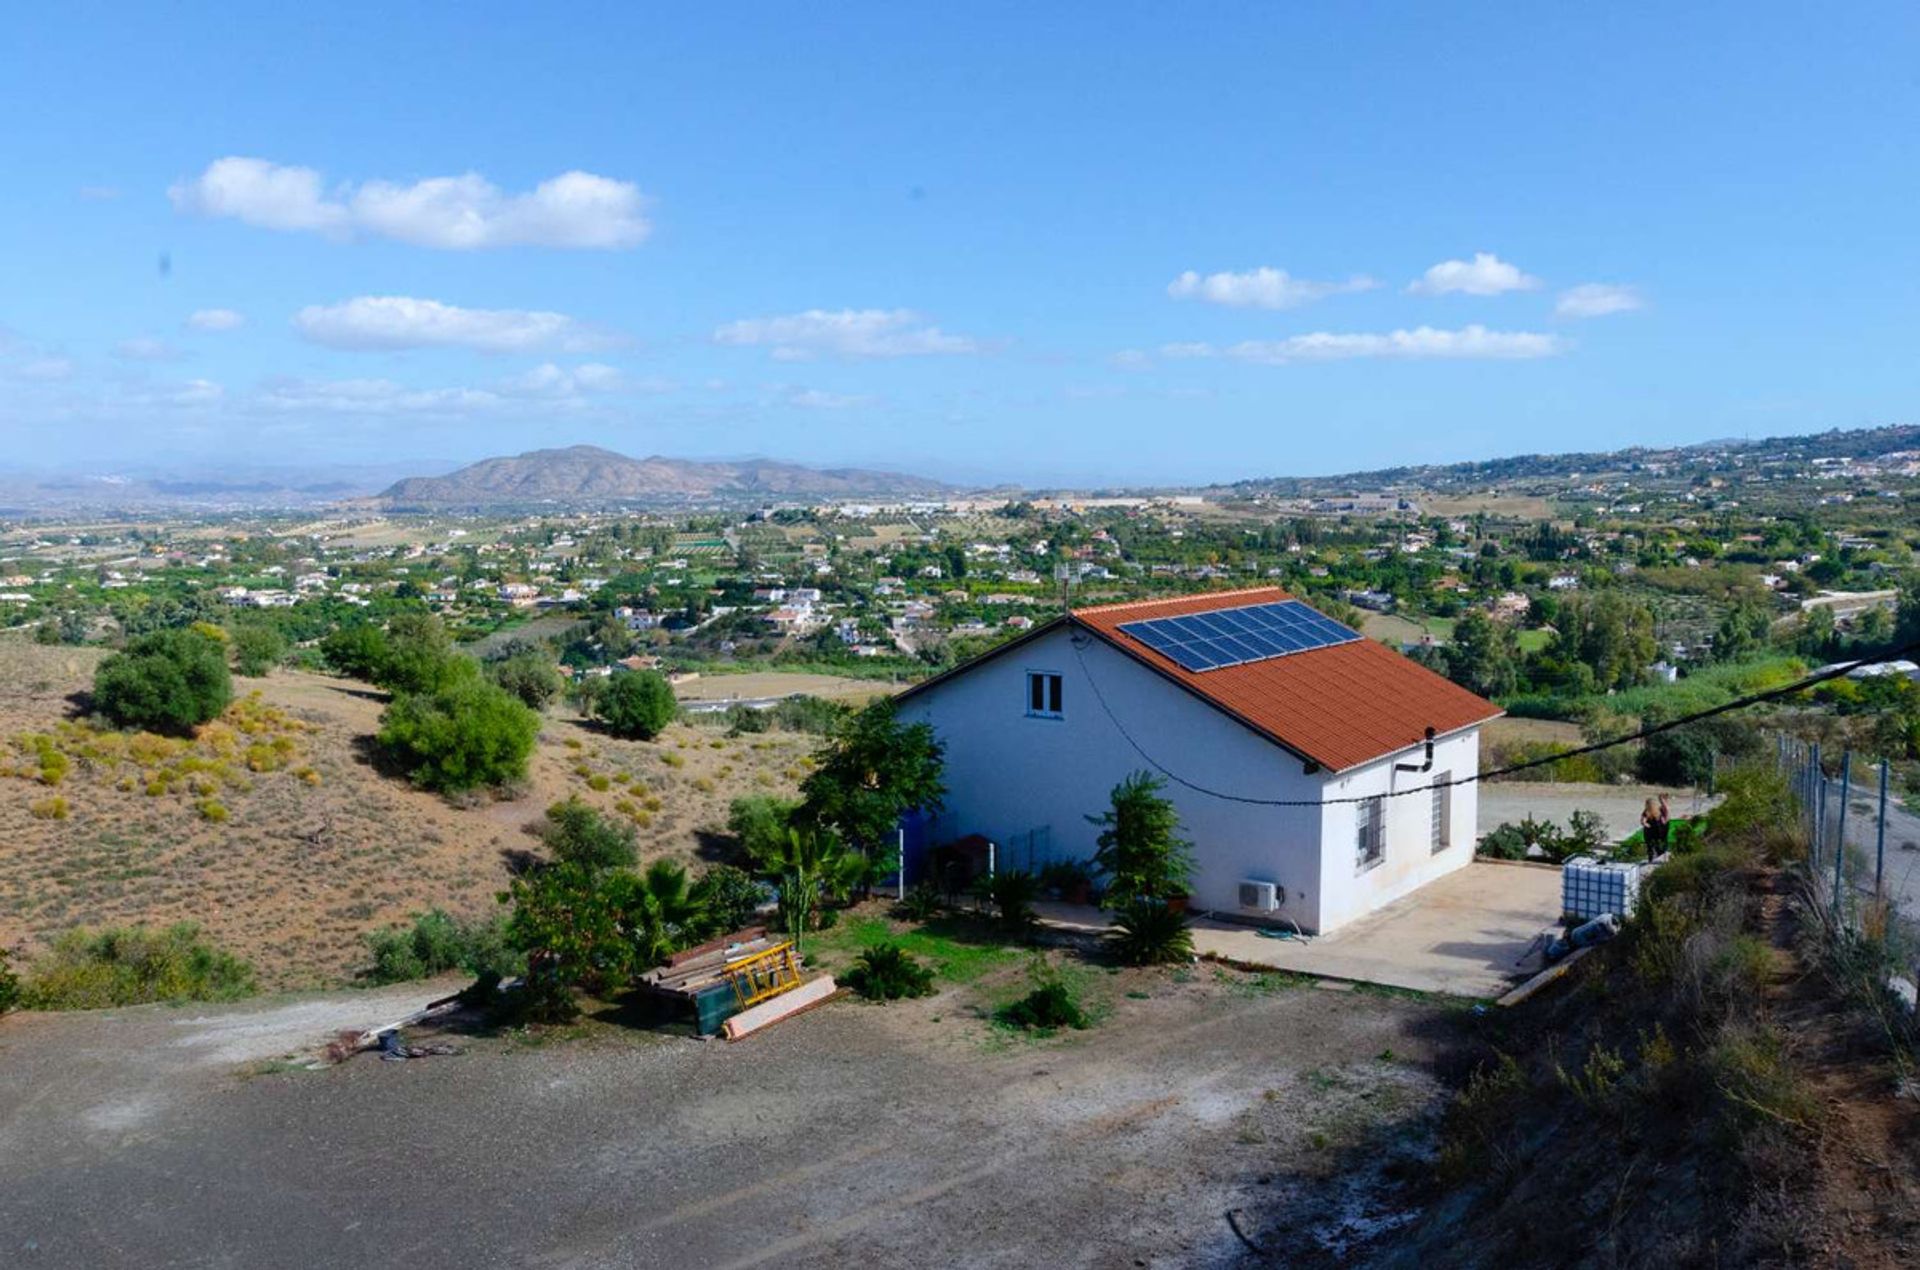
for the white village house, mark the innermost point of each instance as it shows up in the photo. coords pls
(1248, 694)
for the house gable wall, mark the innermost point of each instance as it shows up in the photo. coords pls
(1408, 861)
(1028, 783)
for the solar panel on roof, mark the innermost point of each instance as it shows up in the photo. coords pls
(1234, 637)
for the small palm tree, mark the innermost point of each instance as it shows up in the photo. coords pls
(808, 867)
(1151, 933)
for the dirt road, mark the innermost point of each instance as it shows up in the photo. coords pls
(857, 1135)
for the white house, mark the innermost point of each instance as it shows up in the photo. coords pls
(1297, 752)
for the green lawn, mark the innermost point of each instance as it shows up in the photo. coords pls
(960, 949)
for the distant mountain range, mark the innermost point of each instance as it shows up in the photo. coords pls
(1854, 443)
(587, 474)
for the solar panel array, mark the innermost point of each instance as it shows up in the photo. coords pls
(1233, 637)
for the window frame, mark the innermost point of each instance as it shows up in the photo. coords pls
(1440, 813)
(1370, 833)
(1048, 687)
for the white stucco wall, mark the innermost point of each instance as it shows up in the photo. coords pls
(1409, 862)
(1010, 775)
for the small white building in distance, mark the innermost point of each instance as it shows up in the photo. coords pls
(1311, 767)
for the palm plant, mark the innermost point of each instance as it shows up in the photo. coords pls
(808, 867)
(1151, 933)
(1012, 892)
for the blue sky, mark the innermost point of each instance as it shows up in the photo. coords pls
(1069, 243)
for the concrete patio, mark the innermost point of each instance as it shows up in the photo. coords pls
(1472, 933)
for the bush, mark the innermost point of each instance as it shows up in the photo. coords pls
(888, 972)
(357, 651)
(637, 704)
(1140, 848)
(257, 648)
(760, 821)
(575, 833)
(463, 736)
(922, 904)
(134, 965)
(9, 984)
(814, 715)
(1152, 934)
(1012, 892)
(732, 898)
(530, 676)
(169, 681)
(1051, 1004)
(419, 656)
(436, 943)
(55, 808)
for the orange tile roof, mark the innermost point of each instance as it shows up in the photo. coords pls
(1340, 706)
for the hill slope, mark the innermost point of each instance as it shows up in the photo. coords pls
(589, 474)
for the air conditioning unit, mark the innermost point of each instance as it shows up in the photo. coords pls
(1261, 897)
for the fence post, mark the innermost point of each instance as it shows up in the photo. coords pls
(1840, 829)
(1880, 839)
(1819, 775)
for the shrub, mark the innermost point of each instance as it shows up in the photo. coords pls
(1151, 934)
(528, 675)
(169, 681)
(55, 808)
(133, 965)
(419, 656)
(814, 715)
(465, 735)
(436, 943)
(357, 651)
(760, 821)
(257, 648)
(637, 704)
(9, 984)
(731, 897)
(1051, 1004)
(1012, 892)
(575, 833)
(1139, 848)
(888, 972)
(923, 903)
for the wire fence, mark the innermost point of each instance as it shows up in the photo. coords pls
(1864, 853)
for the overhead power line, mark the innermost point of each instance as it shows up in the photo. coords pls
(1837, 671)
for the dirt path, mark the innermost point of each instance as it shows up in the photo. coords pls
(858, 1135)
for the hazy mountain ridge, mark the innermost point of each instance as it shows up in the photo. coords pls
(1859, 443)
(591, 474)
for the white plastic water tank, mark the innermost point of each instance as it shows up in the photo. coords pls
(1590, 887)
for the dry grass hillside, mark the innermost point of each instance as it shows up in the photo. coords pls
(276, 832)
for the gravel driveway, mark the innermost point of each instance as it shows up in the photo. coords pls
(909, 1135)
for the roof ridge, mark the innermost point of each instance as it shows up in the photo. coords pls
(1185, 599)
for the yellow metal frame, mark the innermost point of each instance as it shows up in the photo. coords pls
(765, 975)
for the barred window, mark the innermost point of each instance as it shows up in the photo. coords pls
(1370, 832)
(1441, 830)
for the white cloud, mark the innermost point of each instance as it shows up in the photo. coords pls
(388, 322)
(371, 396)
(1470, 342)
(1485, 274)
(820, 399)
(145, 348)
(45, 369)
(1597, 299)
(215, 320)
(558, 382)
(1262, 288)
(1131, 359)
(456, 213)
(852, 333)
